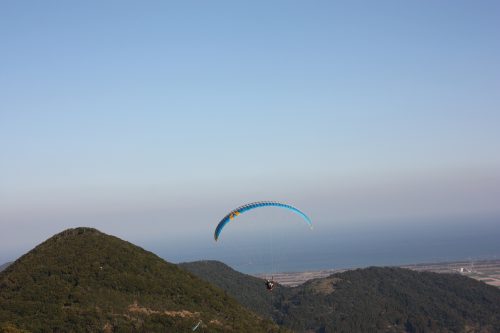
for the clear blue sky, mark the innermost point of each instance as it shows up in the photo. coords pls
(149, 120)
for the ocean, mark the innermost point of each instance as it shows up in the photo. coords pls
(347, 246)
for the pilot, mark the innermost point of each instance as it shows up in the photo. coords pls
(270, 284)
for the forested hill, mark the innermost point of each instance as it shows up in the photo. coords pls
(372, 300)
(82, 280)
(4, 266)
(248, 290)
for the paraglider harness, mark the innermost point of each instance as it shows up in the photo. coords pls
(270, 284)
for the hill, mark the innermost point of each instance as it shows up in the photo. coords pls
(376, 299)
(246, 289)
(4, 266)
(84, 280)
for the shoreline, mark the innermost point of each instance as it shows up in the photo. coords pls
(487, 271)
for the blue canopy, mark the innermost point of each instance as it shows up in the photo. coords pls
(235, 212)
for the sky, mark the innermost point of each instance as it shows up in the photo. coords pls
(151, 120)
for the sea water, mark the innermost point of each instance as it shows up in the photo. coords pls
(335, 247)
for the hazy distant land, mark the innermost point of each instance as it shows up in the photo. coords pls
(487, 271)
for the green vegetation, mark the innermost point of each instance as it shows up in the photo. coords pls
(82, 280)
(248, 290)
(371, 300)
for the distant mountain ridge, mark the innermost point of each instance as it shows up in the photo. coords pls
(84, 280)
(375, 299)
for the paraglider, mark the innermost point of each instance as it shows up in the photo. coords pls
(270, 284)
(240, 210)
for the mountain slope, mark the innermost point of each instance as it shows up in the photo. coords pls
(246, 289)
(84, 280)
(393, 299)
(4, 266)
(377, 300)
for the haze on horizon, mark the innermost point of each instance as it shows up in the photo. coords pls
(151, 121)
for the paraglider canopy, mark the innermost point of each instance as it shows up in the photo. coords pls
(235, 212)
